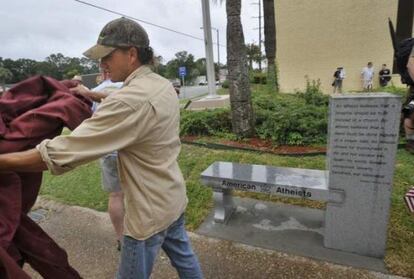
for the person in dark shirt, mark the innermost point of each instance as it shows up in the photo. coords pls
(339, 76)
(384, 76)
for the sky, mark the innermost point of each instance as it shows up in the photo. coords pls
(34, 29)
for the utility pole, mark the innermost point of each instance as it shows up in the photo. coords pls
(218, 44)
(260, 31)
(211, 78)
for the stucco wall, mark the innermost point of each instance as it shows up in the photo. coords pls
(316, 36)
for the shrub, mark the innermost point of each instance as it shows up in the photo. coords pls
(225, 84)
(288, 119)
(293, 125)
(401, 91)
(207, 122)
(292, 119)
(313, 94)
(258, 78)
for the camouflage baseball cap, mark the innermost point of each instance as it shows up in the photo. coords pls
(121, 32)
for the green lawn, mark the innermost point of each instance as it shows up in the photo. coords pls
(82, 187)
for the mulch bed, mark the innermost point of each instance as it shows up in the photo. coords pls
(255, 144)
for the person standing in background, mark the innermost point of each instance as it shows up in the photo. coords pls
(109, 162)
(384, 76)
(339, 76)
(367, 76)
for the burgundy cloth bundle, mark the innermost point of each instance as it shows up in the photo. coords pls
(35, 109)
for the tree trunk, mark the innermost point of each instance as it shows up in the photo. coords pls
(240, 96)
(270, 44)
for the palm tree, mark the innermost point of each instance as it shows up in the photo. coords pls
(5, 74)
(270, 44)
(253, 54)
(242, 114)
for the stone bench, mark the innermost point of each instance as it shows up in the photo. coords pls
(357, 184)
(224, 177)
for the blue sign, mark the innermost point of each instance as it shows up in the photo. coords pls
(182, 72)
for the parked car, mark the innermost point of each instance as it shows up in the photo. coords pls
(206, 83)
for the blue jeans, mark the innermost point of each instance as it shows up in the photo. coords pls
(138, 256)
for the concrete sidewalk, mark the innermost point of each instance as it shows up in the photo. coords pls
(88, 238)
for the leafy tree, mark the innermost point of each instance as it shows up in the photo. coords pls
(253, 54)
(5, 75)
(57, 62)
(71, 73)
(56, 65)
(63, 66)
(171, 69)
(46, 69)
(201, 66)
(182, 58)
(89, 66)
(20, 69)
(159, 67)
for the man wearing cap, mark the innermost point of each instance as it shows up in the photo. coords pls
(141, 121)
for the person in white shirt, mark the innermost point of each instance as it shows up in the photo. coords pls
(109, 164)
(367, 76)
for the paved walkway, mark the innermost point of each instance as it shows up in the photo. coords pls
(88, 238)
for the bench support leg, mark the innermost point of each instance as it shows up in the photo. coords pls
(223, 205)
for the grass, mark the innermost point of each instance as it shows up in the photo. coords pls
(400, 246)
(401, 91)
(82, 187)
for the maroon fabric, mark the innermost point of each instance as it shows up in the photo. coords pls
(33, 110)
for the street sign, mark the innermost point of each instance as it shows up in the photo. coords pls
(182, 72)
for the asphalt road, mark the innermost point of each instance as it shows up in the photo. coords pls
(190, 92)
